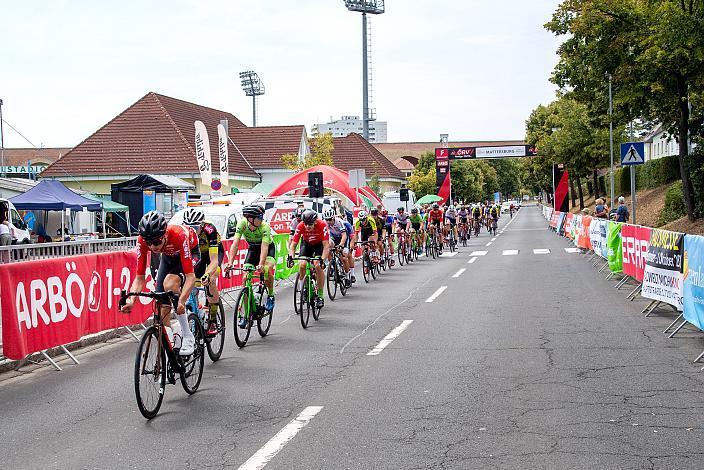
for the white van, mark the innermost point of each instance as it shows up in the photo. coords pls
(392, 201)
(19, 227)
(223, 216)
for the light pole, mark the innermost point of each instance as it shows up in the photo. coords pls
(375, 7)
(611, 142)
(252, 86)
(2, 143)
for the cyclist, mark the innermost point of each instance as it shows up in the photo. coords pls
(211, 256)
(451, 220)
(365, 228)
(388, 230)
(316, 238)
(178, 246)
(494, 213)
(476, 215)
(402, 223)
(417, 231)
(261, 252)
(435, 216)
(379, 229)
(339, 236)
(296, 219)
(463, 214)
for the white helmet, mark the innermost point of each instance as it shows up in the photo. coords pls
(193, 217)
(329, 213)
(451, 208)
(362, 215)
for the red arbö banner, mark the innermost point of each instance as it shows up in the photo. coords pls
(634, 241)
(50, 302)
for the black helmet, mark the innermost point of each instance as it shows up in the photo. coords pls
(152, 225)
(400, 209)
(414, 210)
(309, 217)
(436, 206)
(298, 212)
(253, 210)
(374, 211)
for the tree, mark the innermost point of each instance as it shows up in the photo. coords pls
(422, 182)
(653, 49)
(321, 148)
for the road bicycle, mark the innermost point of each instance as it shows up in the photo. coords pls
(214, 344)
(463, 233)
(250, 305)
(402, 250)
(151, 367)
(415, 244)
(336, 278)
(369, 268)
(387, 259)
(306, 293)
(493, 226)
(451, 240)
(431, 244)
(477, 227)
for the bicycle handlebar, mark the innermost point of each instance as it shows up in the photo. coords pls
(161, 297)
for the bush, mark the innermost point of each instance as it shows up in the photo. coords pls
(674, 205)
(649, 175)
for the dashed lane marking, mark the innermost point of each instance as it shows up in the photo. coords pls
(478, 253)
(276, 443)
(448, 254)
(493, 239)
(572, 250)
(488, 244)
(541, 251)
(389, 338)
(436, 294)
(459, 273)
(509, 252)
(472, 260)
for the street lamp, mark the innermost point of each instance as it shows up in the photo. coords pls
(252, 86)
(2, 143)
(374, 7)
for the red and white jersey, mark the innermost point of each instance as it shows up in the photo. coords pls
(179, 240)
(313, 236)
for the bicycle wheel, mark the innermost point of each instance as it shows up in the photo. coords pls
(401, 252)
(297, 295)
(264, 320)
(366, 265)
(242, 308)
(331, 278)
(193, 365)
(217, 343)
(149, 374)
(372, 268)
(341, 278)
(304, 302)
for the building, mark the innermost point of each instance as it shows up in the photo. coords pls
(660, 144)
(349, 124)
(28, 162)
(353, 152)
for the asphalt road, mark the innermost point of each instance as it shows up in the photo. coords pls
(524, 360)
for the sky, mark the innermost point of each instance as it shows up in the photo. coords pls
(473, 69)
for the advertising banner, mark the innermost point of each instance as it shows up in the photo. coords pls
(662, 277)
(613, 242)
(561, 182)
(560, 228)
(595, 236)
(584, 237)
(442, 174)
(693, 274)
(554, 218)
(223, 156)
(634, 243)
(569, 218)
(203, 153)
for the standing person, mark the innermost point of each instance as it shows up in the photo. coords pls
(601, 210)
(622, 214)
(5, 236)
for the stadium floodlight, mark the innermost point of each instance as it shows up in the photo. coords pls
(374, 7)
(252, 86)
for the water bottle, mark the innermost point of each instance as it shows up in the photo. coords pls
(178, 335)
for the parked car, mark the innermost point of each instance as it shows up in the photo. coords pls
(505, 207)
(18, 226)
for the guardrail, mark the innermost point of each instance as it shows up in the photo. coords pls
(23, 252)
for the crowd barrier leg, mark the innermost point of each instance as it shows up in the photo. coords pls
(635, 292)
(699, 357)
(679, 327)
(620, 283)
(650, 307)
(606, 265)
(46, 356)
(68, 353)
(132, 333)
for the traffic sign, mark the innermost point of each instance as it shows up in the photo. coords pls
(632, 153)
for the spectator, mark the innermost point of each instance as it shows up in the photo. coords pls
(5, 237)
(622, 214)
(601, 210)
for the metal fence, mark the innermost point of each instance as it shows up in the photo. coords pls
(23, 252)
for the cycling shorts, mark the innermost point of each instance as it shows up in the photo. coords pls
(450, 221)
(310, 251)
(255, 252)
(463, 220)
(172, 265)
(435, 222)
(415, 227)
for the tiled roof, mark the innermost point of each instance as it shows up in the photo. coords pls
(20, 156)
(154, 135)
(396, 150)
(353, 152)
(263, 147)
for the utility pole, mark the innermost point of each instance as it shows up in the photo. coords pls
(2, 143)
(611, 142)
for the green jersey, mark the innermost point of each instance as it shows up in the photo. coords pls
(256, 236)
(416, 220)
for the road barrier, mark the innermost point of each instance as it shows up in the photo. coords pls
(25, 251)
(49, 303)
(666, 267)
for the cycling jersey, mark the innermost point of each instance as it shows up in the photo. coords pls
(314, 236)
(179, 241)
(401, 219)
(254, 237)
(337, 228)
(435, 215)
(416, 221)
(451, 215)
(476, 212)
(389, 221)
(379, 224)
(463, 213)
(495, 212)
(371, 224)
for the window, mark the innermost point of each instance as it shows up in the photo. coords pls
(231, 226)
(17, 220)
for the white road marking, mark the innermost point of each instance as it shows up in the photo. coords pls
(541, 251)
(276, 443)
(488, 244)
(459, 273)
(572, 250)
(493, 239)
(389, 338)
(436, 294)
(447, 254)
(509, 252)
(478, 253)
(472, 260)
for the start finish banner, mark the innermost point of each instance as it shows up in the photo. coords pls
(662, 277)
(634, 246)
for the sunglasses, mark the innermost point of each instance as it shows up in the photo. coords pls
(154, 241)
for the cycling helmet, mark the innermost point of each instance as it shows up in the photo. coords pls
(384, 212)
(362, 215)
(309, 217)
(451, 208)
(298, 212)
(374, 211)
(152, 225)
(436, 206)
(400, 209)
(329, 213)
(253, 210)
(193, 217)
(414, 210)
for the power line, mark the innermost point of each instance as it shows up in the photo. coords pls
(18, 132)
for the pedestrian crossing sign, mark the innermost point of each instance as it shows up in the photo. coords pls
(632, 153)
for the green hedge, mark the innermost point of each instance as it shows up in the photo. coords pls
(674, 205)
(649, 175)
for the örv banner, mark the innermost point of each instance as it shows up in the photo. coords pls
(662, 277)
(634, 243)
(693, 274)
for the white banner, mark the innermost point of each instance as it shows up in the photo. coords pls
(663, 279)
(597, 236)
(501, 152)
(203, 154)
(222, 154)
